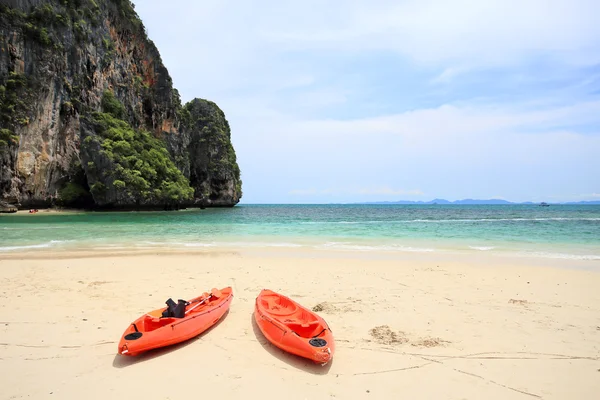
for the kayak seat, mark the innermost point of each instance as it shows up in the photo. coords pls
(174, 310)
(276, 308)
(150, 323)
(307, 329)
(299, 323)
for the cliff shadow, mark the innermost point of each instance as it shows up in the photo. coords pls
(293, 360)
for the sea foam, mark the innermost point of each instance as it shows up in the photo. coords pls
(33, 246)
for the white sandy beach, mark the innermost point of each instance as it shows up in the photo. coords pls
(414, 326)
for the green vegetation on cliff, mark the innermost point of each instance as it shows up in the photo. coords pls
(133, 146)
(75, 193)
(8, 138)
(15, 93)
(45, 22)
(212, 136)
(143, 168)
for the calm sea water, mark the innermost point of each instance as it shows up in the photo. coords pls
(558, 231)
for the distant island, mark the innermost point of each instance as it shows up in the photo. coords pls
(476, 201)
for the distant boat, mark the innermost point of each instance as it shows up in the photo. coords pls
(542, 204)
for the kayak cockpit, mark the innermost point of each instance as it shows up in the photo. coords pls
(278, 305)
(150, 323)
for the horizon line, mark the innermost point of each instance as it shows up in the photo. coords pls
(428, 202)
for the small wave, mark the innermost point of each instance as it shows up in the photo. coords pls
(482, 248)
(33, 246)
(564, 256)
(223, 244)
(184, 244)
(414, 249)
(34, 228)
(110, 247)
(435, 221)
(346, 246)
(260, 244)
(199, 244)
(331, 244)
(500, 220)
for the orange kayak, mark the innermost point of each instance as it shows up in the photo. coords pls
(176, 322)
(293, 328)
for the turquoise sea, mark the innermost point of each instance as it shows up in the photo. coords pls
(558, 231)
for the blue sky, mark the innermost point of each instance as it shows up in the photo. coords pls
(350, 100)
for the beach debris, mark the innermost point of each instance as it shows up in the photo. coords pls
(429, 342)
(516, 301)
(98, 283)
(318, 307)
(384, 335)
(333, 308)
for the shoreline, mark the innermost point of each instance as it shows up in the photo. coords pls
(124, 209)
(58, 211)
(61, 211)
(479, 327)
(48, 251)
(481, 258)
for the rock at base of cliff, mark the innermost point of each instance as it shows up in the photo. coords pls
(7, 208)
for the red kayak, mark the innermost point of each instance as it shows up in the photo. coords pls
(293, 328)
(176, 322)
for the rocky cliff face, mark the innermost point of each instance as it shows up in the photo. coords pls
(89, 116)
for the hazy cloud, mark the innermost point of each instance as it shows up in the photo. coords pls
(382, 190)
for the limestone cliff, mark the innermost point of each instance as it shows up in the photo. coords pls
(89, 116)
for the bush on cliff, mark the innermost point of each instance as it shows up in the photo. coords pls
(8, 138)
(143, 168)
(74, 195)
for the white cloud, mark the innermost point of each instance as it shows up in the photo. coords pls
(593, 196)
(214, 47)
(447, 75)
(448, 151)
(450, 121)
(279, 70)
(385, 190)
(433, 31)
(303, 192)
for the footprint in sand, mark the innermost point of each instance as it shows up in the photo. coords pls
(97, 283)
(516, 301)
(331, 308)
(384, 335)
(429, 342)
